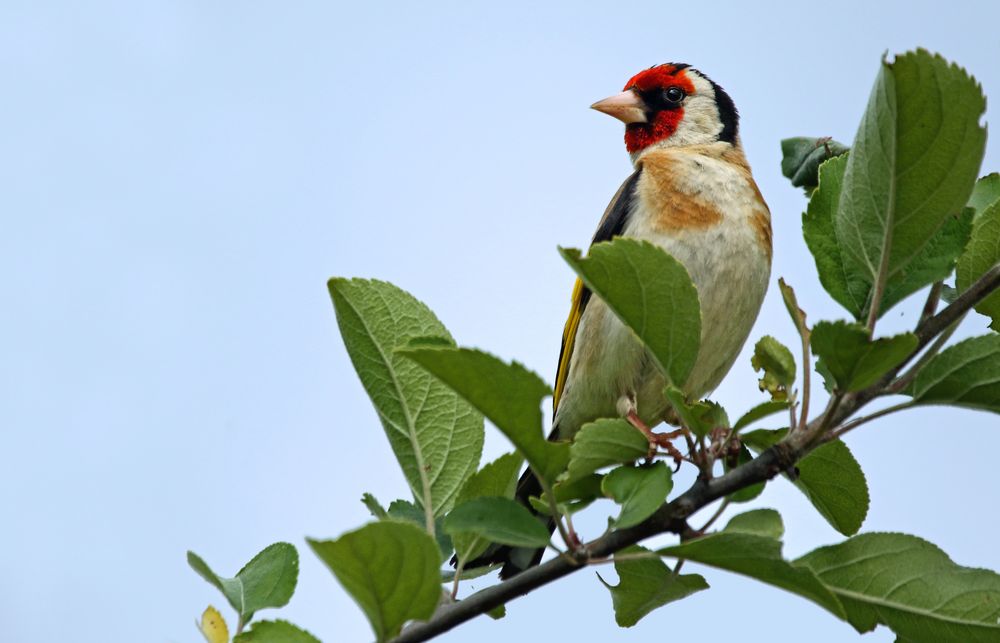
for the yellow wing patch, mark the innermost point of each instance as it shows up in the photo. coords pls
(569, 337)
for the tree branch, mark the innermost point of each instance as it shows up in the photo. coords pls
(672, 516)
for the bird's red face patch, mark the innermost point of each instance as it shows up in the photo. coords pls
(663, 123)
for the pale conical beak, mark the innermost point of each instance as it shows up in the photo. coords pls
(626, 107)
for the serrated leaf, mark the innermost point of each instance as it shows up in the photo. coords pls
(983, 249)
(268, 580)
(652, 293)
(497, 478)
(777, 364)
(645, 584)
(508, 394)
(935, 262)
(275, 632)
(213, 627)
(966, 374)
(801, 157)
(604, 443)
(390, 569)
(639, 490)
(747, 552)
(837, 279)
(911, 586)
(759, 412)
(436, 436)
(834, 483)
(761, 522)
(912, 164)
(829, 477)
(497, 520)
(854, 361)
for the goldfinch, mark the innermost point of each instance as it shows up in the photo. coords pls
(692, 194)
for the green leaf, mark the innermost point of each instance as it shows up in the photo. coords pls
(700, 417)
(985, 193)
(741, 548)
(912, 164)
(409, 512)
(794, 311)
(834, 483)
(854, 361)
(818, 230)
(498, 478)
(448, 575)
(437, 437)
(966, 374)
(390, 569)
(778, 365)
(935, 262)
(639, 490)
(508, 394)
(268, 580)
(762, 439)
(587, 487)
(275, 632)
(571, 495)
(983, 250)
(801, 157)
(829, 477)
(911, 586)
(498, 520)
(762, 522)
(645, 584)
(759, 412)
(374, 508)
(604, 443)
(652, 293)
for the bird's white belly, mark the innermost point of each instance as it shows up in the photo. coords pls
(730, 268)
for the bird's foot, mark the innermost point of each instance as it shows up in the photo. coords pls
(658, 440)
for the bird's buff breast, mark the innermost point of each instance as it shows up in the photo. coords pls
(708, 214)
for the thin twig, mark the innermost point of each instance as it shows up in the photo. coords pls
(715, 516)
(458, 575)
(930, 306)
(853, 424)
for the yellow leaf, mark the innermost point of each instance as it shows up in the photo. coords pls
(213, 626)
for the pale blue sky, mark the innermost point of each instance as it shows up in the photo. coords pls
(180, 178)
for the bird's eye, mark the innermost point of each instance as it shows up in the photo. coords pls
(673, 94)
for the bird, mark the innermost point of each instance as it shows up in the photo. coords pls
(692, 194)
